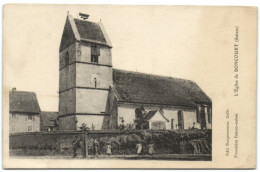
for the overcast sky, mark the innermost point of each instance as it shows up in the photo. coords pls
(182, 42)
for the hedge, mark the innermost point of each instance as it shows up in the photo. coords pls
(122, 143)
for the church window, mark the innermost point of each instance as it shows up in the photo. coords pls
(95, 53)
(198, 110)
(180, 120)
(67, 59)
(209, 114)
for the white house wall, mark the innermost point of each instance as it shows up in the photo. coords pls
(21, 122)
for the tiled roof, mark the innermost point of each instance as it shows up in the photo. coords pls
(153, 89)
(89, 30)
(23, 102)
(49, 118)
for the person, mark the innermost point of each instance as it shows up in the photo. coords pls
(108, 149)
(139, 148)
(77, 144)
(193, 127)
(151, 148)
(96, 147)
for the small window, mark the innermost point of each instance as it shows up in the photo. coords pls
(67, 59)
(13, 128)
(95, 80)
(95, 52)
(30, 117)
(13, 117)
(29, 127)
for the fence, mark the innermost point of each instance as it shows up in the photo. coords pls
(122, 142)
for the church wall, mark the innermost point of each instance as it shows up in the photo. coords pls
(67, 102)
(85, 54)
(67, 122)
(87, 72)
(96, 120)
(127, 111)
(113, 109)
(91, 100)
(72, 54)
(67, 77)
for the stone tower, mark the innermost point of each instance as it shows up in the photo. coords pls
(85, 73)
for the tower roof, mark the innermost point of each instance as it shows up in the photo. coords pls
(86, 31)
(89, 31)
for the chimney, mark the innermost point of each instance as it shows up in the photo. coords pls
(83, 16)
(14, 89)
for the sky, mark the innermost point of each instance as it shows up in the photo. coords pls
(183, 42)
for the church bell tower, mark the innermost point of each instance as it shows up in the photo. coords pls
(85, 73)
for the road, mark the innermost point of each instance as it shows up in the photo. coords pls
(181, 157)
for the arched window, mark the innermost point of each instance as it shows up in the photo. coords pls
(180, 120)
(172, 126)
(67, 59)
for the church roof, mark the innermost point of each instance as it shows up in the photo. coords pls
(23, 102)
(135, 87)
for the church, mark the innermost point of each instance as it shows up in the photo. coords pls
(91, 91)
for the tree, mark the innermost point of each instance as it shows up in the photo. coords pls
(140, 118)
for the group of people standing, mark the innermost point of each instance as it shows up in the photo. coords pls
(150, 148)
(96, 146)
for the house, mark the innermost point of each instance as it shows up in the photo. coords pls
(24, 112)
(48, 121)
(91, 91)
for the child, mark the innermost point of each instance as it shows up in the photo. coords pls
(151, 148)
(96, 147)
(108, 149)
(139, 148)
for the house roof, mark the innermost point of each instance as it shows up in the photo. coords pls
(49, 118)
(151, 114)
(23, 102)
(153, 89)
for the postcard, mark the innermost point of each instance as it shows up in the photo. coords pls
(129, 86)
